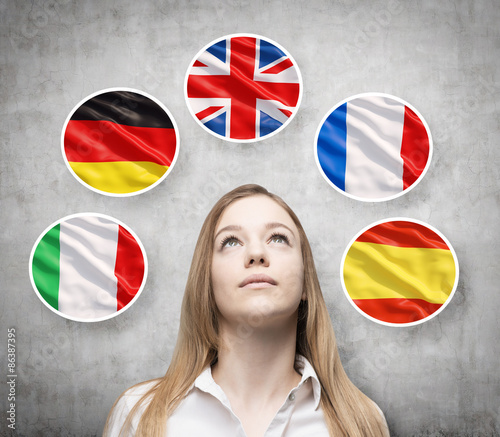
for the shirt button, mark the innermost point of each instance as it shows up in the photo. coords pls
(291, 397)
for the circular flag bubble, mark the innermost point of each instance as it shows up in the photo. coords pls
(88, 267)
(373, 147)
(120, 142)
(399, 272)
(243, 88)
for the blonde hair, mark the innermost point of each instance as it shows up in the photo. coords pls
(346, 409)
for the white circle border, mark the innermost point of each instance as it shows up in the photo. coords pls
(131, 90)
(86, 214)
(251, 140)
(381, 199)
(417, 322)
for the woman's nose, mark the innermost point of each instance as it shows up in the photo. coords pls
(257, 256)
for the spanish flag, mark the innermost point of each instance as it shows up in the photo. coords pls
(400, 272)
(120, 142)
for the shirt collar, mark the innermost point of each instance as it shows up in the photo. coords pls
(306, 369)
(205, 382)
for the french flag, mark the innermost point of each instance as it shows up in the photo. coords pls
(373, 147)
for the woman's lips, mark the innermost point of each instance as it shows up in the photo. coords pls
(257, 281)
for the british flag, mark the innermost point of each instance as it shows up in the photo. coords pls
(243, 88)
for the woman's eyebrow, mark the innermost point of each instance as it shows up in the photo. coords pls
(228, 228)
(273, 225)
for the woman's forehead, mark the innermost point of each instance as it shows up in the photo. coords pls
(254, 211)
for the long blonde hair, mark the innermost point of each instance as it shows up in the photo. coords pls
(346, 409)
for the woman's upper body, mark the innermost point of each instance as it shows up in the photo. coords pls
(252, 313)
(206, 410)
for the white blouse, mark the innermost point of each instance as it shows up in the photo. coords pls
(205, 411)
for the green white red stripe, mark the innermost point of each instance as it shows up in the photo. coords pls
(88, 267)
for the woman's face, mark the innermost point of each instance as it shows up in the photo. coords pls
(257, 267)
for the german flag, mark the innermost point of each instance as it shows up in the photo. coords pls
(120, 142)
(399, 272)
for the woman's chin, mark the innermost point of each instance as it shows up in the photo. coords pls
(264, 314)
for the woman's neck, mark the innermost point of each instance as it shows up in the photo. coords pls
(255, 366)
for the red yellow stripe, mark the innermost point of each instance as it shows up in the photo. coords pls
(397, 310)
(105, 141)
(378, 271)
(403, 234)
(119, 177)
(399, 272)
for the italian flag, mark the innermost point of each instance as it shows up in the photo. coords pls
(399, 272)
(88, 267)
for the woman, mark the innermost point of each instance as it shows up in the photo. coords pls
(256, 353)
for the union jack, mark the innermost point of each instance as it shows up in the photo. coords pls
(243, 88)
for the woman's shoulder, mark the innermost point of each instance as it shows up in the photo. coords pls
(125, 404)
(384, 421)
(132, 395)
(140, 389)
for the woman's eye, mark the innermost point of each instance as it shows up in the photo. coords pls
(279, 239)
(230, 242)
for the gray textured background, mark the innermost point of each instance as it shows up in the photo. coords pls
(440, 378)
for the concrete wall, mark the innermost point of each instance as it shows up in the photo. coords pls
(438, 378)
